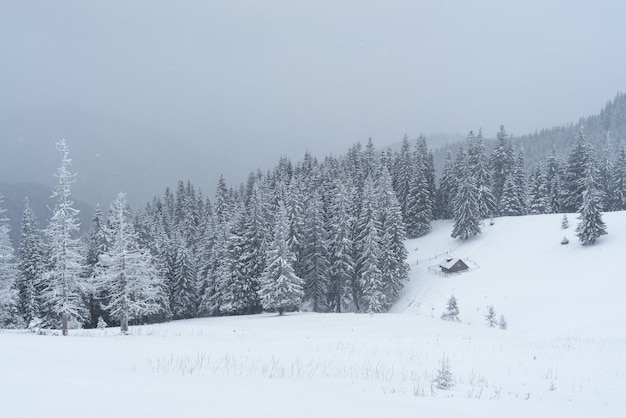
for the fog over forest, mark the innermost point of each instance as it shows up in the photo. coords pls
(148, 92)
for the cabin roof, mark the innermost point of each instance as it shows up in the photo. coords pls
(449, 262)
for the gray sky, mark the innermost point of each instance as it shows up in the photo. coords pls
(261, 78)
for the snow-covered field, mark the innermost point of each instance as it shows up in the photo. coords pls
(563, 354)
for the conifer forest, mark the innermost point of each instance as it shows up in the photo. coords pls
(316, 235)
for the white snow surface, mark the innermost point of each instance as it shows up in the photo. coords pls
(563, 354)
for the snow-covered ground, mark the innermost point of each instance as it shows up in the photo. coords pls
(563, 354)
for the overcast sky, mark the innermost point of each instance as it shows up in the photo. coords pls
(288, 76)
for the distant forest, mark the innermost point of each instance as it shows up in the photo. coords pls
(319, 235)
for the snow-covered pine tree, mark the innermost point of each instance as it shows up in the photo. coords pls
(370, 278)
(280, 289)
(591, 225)
(538, 192)
(30, 266)
(392, 262)
(444, 379)
(63, 286)
(466, 211)
(617, 190)
(581, 156)
(511, 203)
(554, 181)
(9, 312)
(428, 165)
(452, 310)
(403, 174)
(183, 296)
(419, 202)
(296, 201)
(502, 163)
(316, 256)
(479, 168)
(342, 264)
(443, 208)
(564, 222)
(502, 324)
(127, 271)
(491, 317)
(97, 243)
(519, 176)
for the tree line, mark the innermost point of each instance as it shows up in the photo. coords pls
(324, 236)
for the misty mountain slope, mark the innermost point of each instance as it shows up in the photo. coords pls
(41, 203)
(109, 155)
(519, 266)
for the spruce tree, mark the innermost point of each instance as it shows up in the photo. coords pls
(126, 271)
(478, 167)
(316, 256)
(370, 279)
(443, 207)
(97, 243)
(342, 265)
(617, 189)
(538, 192)
(9, 313)
(280, 289)
(491, 317)
(466, 210)
(554, 181)
(452, 310)
(502, 163)
(30, 267)
(580, 158)
(591, 225)
(64, 288)
(392, 262)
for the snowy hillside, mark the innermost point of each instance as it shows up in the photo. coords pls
(519, 266)
(562, 355)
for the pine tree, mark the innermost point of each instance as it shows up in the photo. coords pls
(564, 222)
(9, 314)
(478, 167)
(580, 158)
(370, 278)
(519, 177)
(538, 193)
(444, 379)
(30, 266)
(419, 202)
(183, 296)
(64, 288)
(502, 163)
(591, 225)
(617, 190)
(127, 272)
(444, 209)
(554, 181)
(491, 317)
(280, 289)
(403, 174)
(97, 244)
(452, 310)
(466, 211)
(392, 262)
(502, 324)
(316, 254)
(342, 265)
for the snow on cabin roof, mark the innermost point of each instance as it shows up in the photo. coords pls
(449, 262)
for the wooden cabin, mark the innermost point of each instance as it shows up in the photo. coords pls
(453, 265)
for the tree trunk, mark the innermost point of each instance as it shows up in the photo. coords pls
(64, 323)
(124, 324)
